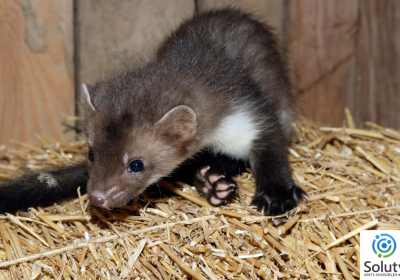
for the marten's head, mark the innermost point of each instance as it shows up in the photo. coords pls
(132, 144)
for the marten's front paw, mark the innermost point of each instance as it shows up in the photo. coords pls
(279, 202)
(214, 186)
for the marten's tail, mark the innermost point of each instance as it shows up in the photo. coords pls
(42, 189)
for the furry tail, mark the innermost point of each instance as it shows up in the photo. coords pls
(42, 189)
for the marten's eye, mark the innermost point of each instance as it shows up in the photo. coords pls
(90, 156)
(136, 166)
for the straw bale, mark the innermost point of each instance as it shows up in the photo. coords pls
(352, 176)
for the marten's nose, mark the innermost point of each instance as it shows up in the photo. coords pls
(97, 199)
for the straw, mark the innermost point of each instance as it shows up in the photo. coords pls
(351, 175)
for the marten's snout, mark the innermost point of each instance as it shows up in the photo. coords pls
(97, 199)
(115, 187)
(113, 197)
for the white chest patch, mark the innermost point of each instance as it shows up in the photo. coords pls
(235, 134)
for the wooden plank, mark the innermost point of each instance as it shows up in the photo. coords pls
(322, 46)
(112, 33)
(36, 69)
(346, 53)
(270, 11)
(375, 94)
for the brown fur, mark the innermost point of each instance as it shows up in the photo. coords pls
(167, 110)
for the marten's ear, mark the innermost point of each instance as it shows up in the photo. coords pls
(179, 123)
(87, 91)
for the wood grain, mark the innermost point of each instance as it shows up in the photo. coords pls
(342, 53)
(346, 53)
(113, 33)
(36, 69)
(322, 46)
(375, 92)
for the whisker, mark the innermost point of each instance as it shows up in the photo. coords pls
(146, 201)
(159, 190)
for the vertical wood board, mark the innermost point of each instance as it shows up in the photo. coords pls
(36, 69)
(113, 33)
(346, 53)
(322, 46)
(375, 93)
(342, 53)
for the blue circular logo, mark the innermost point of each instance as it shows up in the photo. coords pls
(384, 245)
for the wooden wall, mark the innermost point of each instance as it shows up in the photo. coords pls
(109, 32)
(36, 68)
(341, 53)
(346, 53)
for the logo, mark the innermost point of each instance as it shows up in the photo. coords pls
(379, 259)
(384, 245)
